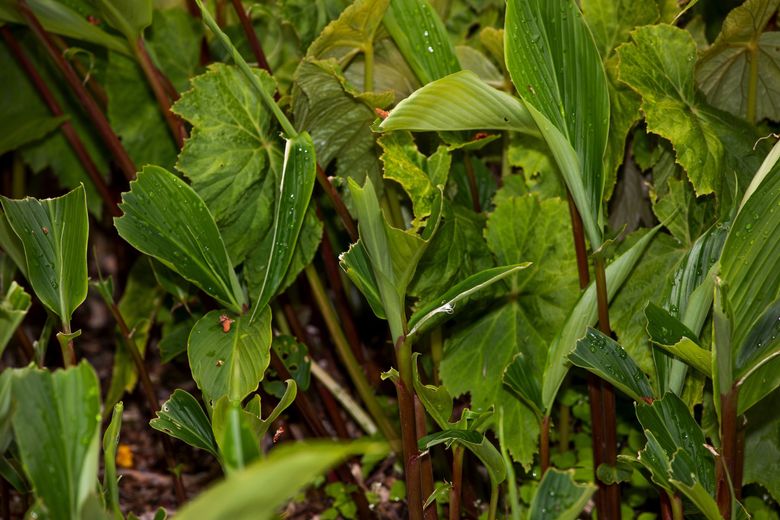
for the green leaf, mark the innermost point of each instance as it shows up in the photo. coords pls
(647, 282)
(21, 106)
(165, 218)
(460, 101)
(436, 400)
(439, 309)
(135, 115)
(54, 233)
(476, 443)
(182, 417)
(474, 360)
(457, 250)
(682, 213)
(520, 229)
(306, 247)
(420, 176)
(261, 426)
(392, 253)
(559, 497)
(232, 426)
(659, 65)
(13, 309)
(556, 68)
(339, 122)
(583, 315)
(603, 356)
(762, 449)
(232, 156)
(352, 33)
(295, 356)
(422, 39)
(129, 17)
(16, 134)
(356, 263)
(11, 244)
(229, 363)
(295, 187)
(174, 40)
(673, 336)
(57, 429)
(740, 71)
(674, 428)
(110, 442)
(611, 22)
(56, 17)
(259, 490)
(750, 285)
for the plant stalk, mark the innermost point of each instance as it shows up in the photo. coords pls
(342, 307)
(457, 481)
(68, 349)
(345, 353)
(312, 418)
(251, 36)
(98, 92)
(285, 123)
(155, 79)
(493, 507)
(728, 467)
(67, 127)
(89, 105)
(410, 451)
(150, 394)
(544, 445)
(607, 405)
(426, 468)
(338, 204)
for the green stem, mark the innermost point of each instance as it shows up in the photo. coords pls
(66, 344)
(511, 483)
(493, 501)
(677, 508)
(457, 481)
(287, 126)
(347, 357)
(342, 396)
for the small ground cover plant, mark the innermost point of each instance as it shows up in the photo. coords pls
(390, 259)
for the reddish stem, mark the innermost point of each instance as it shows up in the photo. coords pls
(151, 397)
(254, 43)
(338, 204)
(457, 482)
(410, 451)
(155, 79)
(67, 127)
(729, 466)
(544, 445)
(98, 92)
(426, 468)
(89, 105)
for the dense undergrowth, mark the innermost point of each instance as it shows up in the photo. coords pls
(438, 258)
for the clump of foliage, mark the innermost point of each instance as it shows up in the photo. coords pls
(539, 238)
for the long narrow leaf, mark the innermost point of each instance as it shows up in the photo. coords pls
(556, 68)
(460, 101)
(295, 188)
(584, 315)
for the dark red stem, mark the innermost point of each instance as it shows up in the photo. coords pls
(426, 467)
(89, 105)
(67, 127)
(254, 43)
